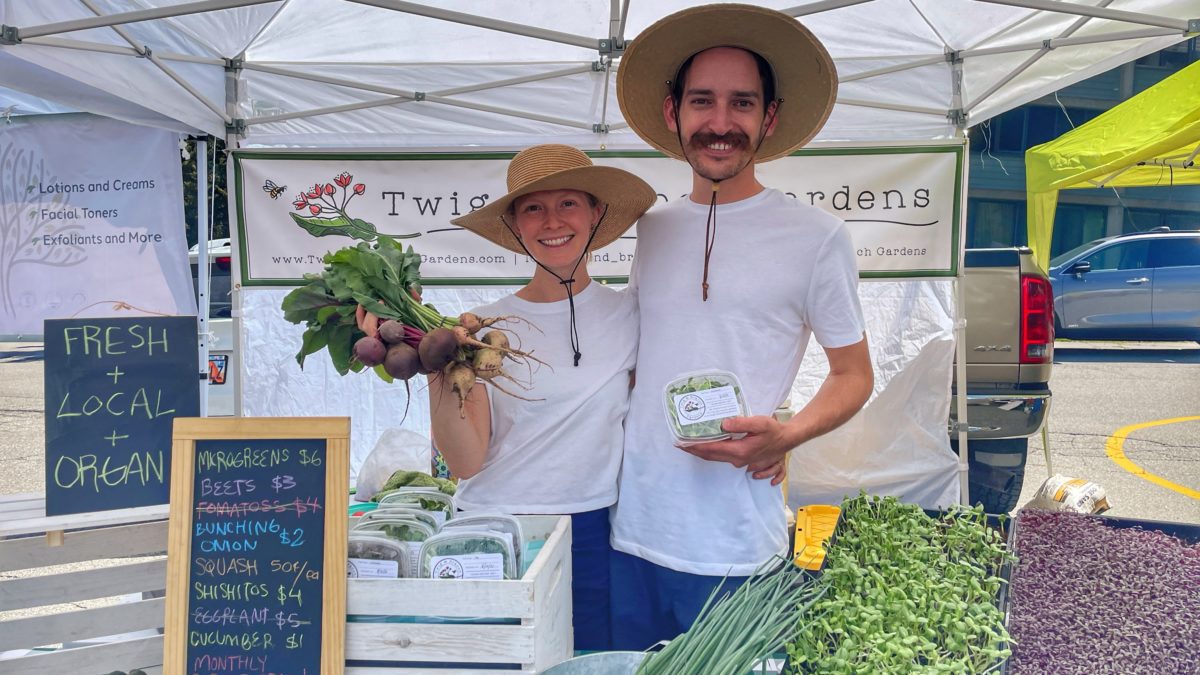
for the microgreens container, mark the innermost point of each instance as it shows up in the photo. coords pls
(468, 554)
(394, 509)
(697, 403)
(492, 522)
(375, 555)
(439, 504)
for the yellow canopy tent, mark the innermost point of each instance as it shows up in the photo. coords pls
(1152, 139)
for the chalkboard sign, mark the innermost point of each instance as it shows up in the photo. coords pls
(256, 557)
(112, 388)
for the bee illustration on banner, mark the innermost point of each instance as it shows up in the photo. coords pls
(276, 191)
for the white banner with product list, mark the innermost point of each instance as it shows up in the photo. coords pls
(91, 221)
(902, 206)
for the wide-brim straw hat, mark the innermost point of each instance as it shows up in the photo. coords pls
(805, 77)
(562, 167)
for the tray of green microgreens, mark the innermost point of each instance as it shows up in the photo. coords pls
(905, 590)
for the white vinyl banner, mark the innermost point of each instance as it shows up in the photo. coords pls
(902, 205)
(91, 221)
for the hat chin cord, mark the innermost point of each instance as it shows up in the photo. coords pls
(710, 223)
(568, 283)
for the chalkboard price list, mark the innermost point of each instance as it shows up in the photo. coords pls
(255, 600)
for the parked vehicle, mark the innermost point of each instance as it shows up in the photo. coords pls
(1010, 350)
(221, 355)
(1137, 286)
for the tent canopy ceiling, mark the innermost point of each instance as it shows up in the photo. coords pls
(396, 73)
(1152, 139)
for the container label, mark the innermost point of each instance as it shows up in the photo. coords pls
(709, 404)
(362, 568)
(471, 566)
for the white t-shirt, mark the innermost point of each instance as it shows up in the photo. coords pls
(780, 271)
(560, 454)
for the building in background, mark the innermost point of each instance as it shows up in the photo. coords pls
(996, 185)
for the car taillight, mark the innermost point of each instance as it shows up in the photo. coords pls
(222, 262)
(1037, 319)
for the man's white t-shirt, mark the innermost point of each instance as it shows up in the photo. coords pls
(780, 271)
(561, 453)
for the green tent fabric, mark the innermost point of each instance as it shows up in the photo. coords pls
(1151, 139)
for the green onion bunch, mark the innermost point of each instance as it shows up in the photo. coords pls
(734, 631)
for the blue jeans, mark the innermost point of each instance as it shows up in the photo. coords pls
(651, 603)
(590, 551)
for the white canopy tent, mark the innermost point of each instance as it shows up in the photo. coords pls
(476, 74)
(398, 74)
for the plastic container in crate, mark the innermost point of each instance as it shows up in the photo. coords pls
(424, 625)
(815, 525)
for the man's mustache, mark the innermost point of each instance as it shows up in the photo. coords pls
(733, 138)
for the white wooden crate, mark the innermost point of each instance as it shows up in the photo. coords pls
(31, 542)
(524, 622)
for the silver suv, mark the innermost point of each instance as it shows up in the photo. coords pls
(1138, 286)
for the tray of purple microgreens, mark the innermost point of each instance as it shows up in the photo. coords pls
(1100, 594)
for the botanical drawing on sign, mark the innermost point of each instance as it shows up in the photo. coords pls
(326, 206)
(25, 231)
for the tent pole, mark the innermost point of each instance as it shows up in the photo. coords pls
(960, 329)
(928, 61)
(134, 17)
(81, 45)
(482, 22)
(1096, 12)
(145, 51)
(202, 285)
(509, 113)
(892, 106)
(818, 7)
(1055, 43)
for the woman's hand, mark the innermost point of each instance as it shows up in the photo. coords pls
(367, 322)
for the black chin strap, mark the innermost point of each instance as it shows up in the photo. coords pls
(569, 282)
(710, 223)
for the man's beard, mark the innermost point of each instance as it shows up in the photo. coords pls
(701, 140)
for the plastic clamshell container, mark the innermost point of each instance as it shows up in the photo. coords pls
(395, 510)
(815, 524)
(378, 546)
(696, 403)
(495, 522)
(400, 529)
(467, 548)
(444, 503)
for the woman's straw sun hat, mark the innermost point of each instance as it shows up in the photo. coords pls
(562, 167)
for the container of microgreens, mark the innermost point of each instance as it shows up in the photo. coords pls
(525, 621)
(907, 590)
(697, 403)
(1102, 594)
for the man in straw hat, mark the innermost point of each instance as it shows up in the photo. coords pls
(557, 449)
(723, 87)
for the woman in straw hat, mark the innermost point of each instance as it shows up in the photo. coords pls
(724, 87)
(558, 449)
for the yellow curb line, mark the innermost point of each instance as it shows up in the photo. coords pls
(1115, 448)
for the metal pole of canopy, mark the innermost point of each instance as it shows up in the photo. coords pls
(483, 22)
(144, 50)
(1054, 43)
(1096, 12)
(824, 6)
(508, 112)
(928, 61)
(83, 45)
(396, 100)
(892, 106)
(134, 17)
(202, 285)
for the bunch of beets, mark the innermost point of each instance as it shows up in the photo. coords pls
(365, 309)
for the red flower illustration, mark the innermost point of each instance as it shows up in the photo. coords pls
(359, 189)
(300, 202)
(343, 179)
(329, 188)
(315, 192)
(314, 208)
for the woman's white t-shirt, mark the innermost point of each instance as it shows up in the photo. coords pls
(562, 452)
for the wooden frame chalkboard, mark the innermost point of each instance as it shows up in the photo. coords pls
(256, 505)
